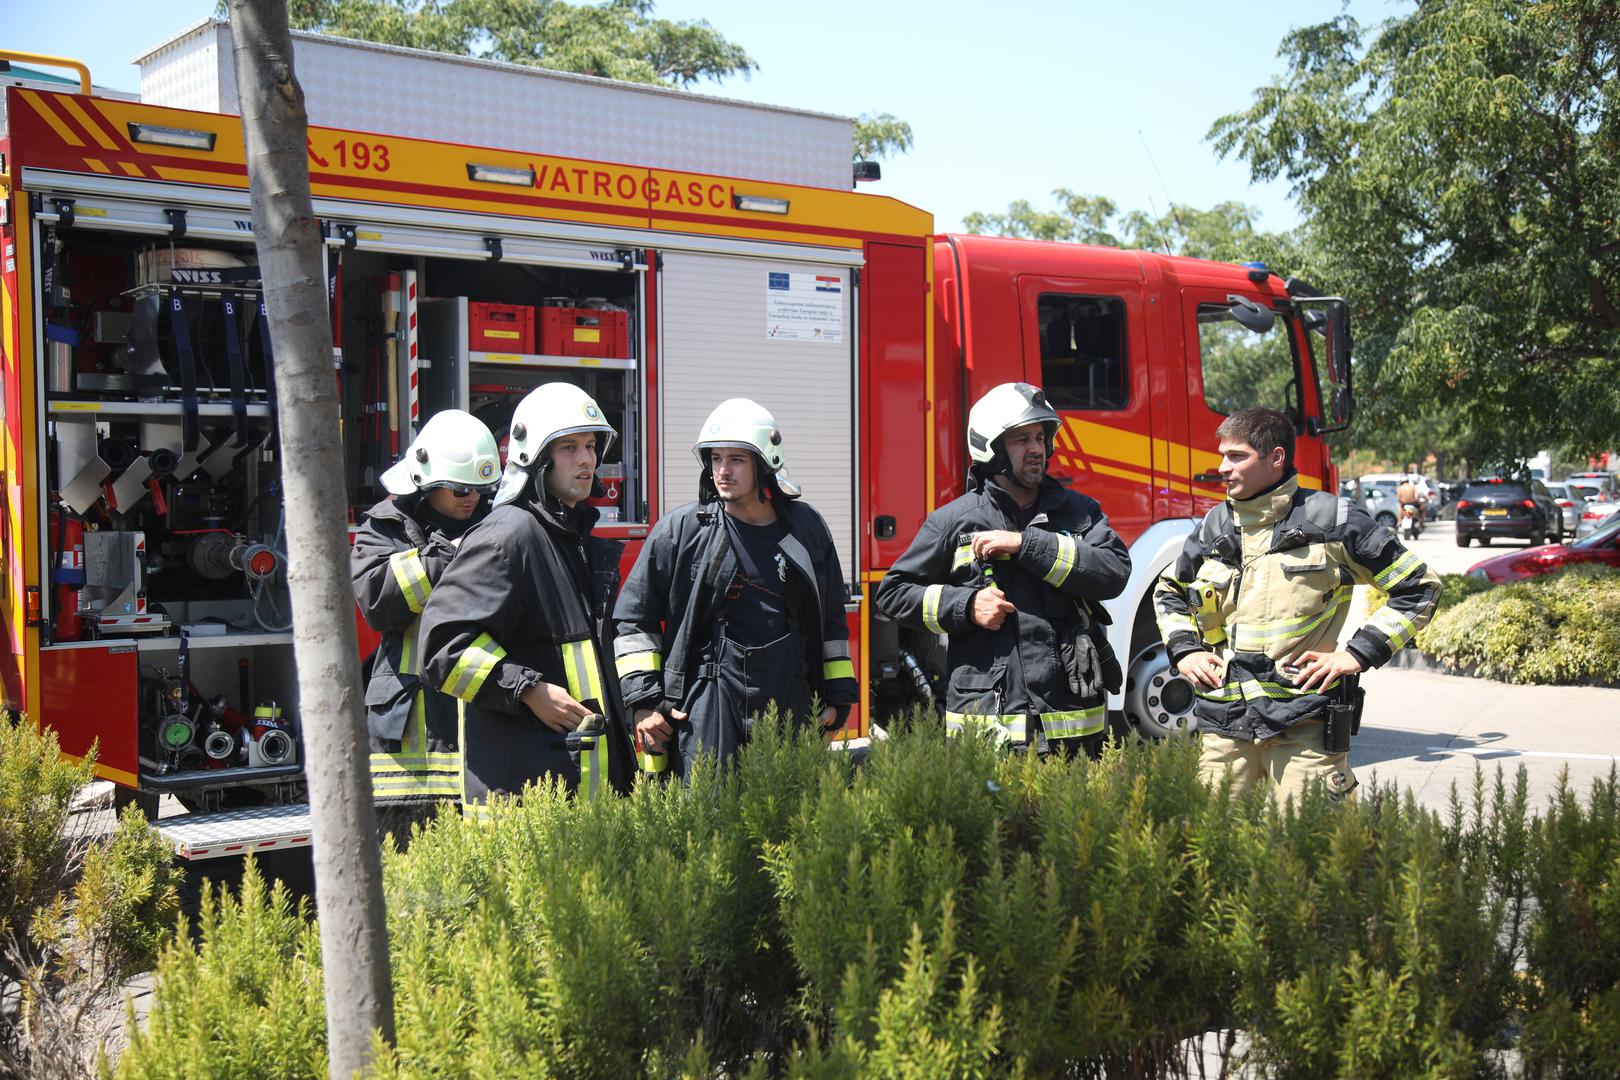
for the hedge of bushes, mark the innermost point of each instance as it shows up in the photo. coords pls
(1560, 628)
(946, 911)
(80, 911)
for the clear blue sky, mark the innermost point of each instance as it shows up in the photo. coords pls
(1006, 102)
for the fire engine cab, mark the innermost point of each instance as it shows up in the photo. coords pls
(478, 243)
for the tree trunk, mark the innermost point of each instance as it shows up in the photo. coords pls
(348, 865)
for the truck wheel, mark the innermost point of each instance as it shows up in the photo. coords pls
(1463, 539)
(1158, 700)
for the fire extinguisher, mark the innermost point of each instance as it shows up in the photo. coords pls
(67, 572)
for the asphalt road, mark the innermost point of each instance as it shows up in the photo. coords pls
(1428, 731)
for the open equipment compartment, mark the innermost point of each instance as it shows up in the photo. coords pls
(478, 332)
(163, 533)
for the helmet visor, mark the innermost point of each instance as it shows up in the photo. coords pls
(396, 479)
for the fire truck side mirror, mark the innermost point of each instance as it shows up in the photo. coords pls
(1328, 317)
(1339, 369)
(1250, 315)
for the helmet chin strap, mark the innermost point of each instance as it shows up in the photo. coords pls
(1001, 463)
(543, 466)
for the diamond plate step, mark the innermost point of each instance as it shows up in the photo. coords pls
(237, 832)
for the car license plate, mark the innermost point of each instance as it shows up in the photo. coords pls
(1496, 513)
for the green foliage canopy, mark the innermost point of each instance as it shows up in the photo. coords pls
(617, 39)
(880, 136)
(1459, 173)
(1226, 231)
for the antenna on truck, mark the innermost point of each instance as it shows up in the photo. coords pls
(1173, 211)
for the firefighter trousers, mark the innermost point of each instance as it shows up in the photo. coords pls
(736, 684)
(1286, 762)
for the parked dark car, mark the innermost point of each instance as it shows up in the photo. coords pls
(1508, 508)
(1602, 547)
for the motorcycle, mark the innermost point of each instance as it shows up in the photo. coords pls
(1411, 521)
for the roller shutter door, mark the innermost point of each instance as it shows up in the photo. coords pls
(781, 333)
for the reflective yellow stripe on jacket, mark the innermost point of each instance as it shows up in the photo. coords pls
(584, 676)
(411, 577)
(631, 663)
(473, 667)
(1258, 690)
(1011, 727)
(593, 764)
(414, 771)
(1256, 637)
(1398, 571)
(1005, 728)
(636, 653)
(930, 612)
(835, 660)
(583, 672)
(1063, 563)
(409, 662)
(1074, 723)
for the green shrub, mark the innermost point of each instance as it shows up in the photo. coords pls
(79, 913)
(1454, 589)
(1557, 629)
(1572, 978)
(36, 787)
(944, 911)
(245, 1000)
(1387, 939)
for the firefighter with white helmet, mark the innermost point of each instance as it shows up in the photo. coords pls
(1013, 572)
(437, 491)
(735, 604)
(515, 629)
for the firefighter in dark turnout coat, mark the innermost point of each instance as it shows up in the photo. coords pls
(515, 628)
(439, 490)
(736, 602)
(1013, 572)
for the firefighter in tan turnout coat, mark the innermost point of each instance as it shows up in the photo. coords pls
(1252, 610)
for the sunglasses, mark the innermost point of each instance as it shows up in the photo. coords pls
(463, 492)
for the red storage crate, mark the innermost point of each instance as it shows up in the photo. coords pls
(505, 328)
(566, 331)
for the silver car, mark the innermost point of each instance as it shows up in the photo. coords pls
(1594, 514)
(1571, 502)
(1380, 504)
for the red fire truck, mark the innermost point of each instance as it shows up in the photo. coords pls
(143, 585)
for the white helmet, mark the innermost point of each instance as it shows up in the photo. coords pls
(1005, 407)
(453, 449)
(546, 414)
(743, 424)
